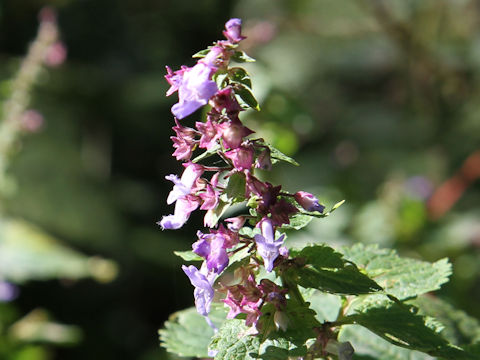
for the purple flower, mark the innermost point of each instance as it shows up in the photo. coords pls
(183, 186)
(183, 208)
(212, 248)
(267, 246)
(8, 291)
(203, 292)
(308, 201)
(233, 30)
(195, 88)
(212, 58)
(174, 78)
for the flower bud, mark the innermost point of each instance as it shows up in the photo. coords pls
(241, 157)
(281, 320)
(264, 160)
(308, 201)
(233, 30)
(236, 223)
(225, 99)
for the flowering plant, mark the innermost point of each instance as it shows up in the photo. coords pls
(255, 296)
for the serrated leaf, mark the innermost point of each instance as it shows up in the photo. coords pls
(401, 325)
(188, 255)
(241, 76)
(28, 253)
(460, 328)
(401, 277)
(186, 333)
(241, 57)
(233, 343)
(368, 345)
(276, 155)
(326, 270)
(245, 97)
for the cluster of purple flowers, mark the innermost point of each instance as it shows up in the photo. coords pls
(205, 187)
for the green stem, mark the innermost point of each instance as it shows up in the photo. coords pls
(293, 290)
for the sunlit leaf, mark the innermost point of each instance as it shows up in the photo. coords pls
(187, 333)
(325, 269)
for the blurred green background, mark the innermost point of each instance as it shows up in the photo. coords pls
(378, 100)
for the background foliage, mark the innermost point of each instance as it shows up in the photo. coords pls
(377, 100)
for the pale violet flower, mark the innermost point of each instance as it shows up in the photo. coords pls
(268, 248)
(183, 208)
(233, 30)
(203, 293)
(195, 88)
(183, 186)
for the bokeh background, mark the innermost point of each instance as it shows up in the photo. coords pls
(378, 100)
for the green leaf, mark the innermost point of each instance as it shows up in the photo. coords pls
(235, 190)
(239, 75)
(401, 277)
(233, 343)
(276, 155)
(207, 153)
(220, 79)
(248, 231)
(188, 255)
(214, 215)
(245, 97)
(298, 221)
(239, 258)
(201, 53)
(241, 57)
(186, 333)
(327, 306)
(28, 253)
(337, 205)
(368, 344)
(460, 328)
(325, 269)
(401, 325)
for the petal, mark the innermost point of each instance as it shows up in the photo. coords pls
(182, 109)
